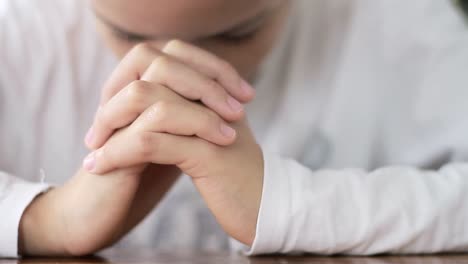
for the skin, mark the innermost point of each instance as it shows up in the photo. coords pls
(147, 129)
(202, 22)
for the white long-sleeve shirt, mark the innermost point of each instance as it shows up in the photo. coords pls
(361, 112)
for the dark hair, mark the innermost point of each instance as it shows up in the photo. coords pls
(464, 5)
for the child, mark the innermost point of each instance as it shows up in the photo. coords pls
(357, 139)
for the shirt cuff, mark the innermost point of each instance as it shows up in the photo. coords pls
(272, 222)
(17, 195)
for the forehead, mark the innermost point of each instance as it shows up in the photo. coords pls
(179, 18)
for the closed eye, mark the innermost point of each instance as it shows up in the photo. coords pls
(237, 36)
(129, 37)
(240, 32)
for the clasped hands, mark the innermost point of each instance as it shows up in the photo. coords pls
(182, 107)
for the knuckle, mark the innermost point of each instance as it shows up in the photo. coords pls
(212, 85)
(145, 143)
(173, 45)
(137, 89)
(141, 48)
(160, 111)
(137, 92)
(162, 63)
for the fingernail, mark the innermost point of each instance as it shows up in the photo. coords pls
(235, 105)
(89, 162)
(227, 131)
(89, 136)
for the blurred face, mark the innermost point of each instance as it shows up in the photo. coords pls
(240, 31)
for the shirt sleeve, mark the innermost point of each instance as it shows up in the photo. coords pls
(15, 195)
(394, 209)
(389, 210)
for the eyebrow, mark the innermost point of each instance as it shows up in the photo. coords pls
(123, 33)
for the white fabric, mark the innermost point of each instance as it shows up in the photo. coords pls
(15, 196)
(360, 111)
(362, 127)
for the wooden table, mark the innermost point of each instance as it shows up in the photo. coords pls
(147, 256)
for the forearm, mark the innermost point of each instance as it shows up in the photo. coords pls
(80, 217)
(40, 226)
